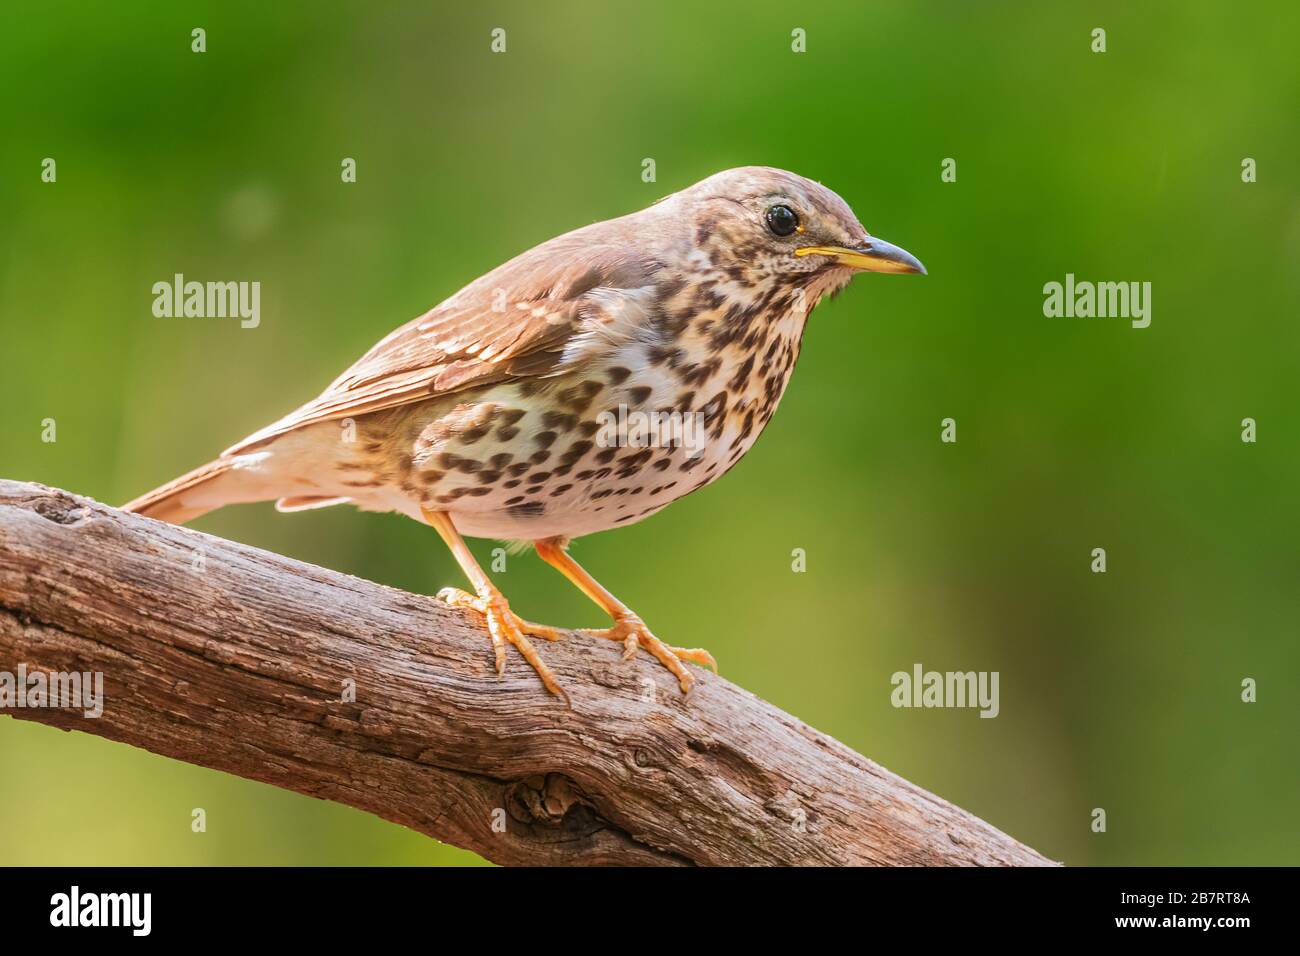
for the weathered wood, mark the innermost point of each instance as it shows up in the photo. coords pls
(229, 657)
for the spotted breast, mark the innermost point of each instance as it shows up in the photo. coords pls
(639, 421)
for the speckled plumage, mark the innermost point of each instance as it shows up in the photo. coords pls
(525, 460)
(490, 408)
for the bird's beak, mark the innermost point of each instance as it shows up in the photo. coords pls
(871, 255)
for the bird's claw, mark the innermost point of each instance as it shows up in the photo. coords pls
(633, 633)
(507, 627)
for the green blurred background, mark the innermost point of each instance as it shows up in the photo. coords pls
(1118, 690)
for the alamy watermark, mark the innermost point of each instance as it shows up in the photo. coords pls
(129, 910)
(637, 429)
(83, 691)
(209, 300)
(922, 688)
(1102, 300)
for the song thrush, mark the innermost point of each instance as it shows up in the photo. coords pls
(494, 414)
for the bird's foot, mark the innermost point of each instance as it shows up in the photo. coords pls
(507, 627)
(631, 631)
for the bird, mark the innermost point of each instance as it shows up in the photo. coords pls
(504, 411)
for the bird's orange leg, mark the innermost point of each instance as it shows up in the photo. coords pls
(503, 624)
(628, 627)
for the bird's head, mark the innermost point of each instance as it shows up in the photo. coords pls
(757, 224)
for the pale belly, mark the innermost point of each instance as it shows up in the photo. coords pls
(645, 474)
(593, 450)
(615, 466)
(556, 471)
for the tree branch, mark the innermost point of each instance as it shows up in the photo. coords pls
(233, 658)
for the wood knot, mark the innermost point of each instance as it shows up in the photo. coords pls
(543, 799)
(60, 510)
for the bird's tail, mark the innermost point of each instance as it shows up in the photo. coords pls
(195, 493)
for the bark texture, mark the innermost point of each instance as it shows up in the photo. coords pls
(229, 657)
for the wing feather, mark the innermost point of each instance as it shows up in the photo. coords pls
(514, 322)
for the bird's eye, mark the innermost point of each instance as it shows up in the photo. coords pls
(782, 220)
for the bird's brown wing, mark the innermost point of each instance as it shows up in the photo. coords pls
(512, 323)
